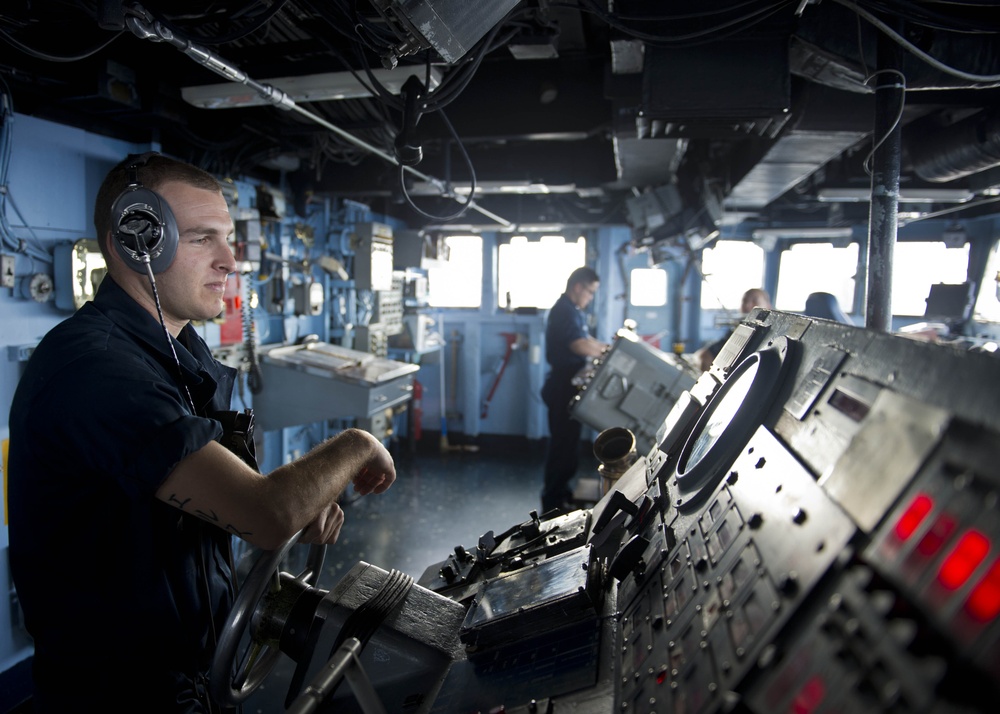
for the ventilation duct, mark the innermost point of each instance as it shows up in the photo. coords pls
(964, 148)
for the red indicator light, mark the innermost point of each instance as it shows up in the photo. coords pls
(944, 526)
(913, 516)
(964, 558)
(809, 697)
(984, 601)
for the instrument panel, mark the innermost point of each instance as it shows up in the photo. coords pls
(815, 530)
(820, 534)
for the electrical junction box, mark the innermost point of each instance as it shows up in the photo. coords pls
(6, 271)
(416, 249)
(308, 298)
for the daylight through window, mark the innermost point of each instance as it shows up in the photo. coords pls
(458, 282)
(533, 273)
(816, 268)
(730, 268)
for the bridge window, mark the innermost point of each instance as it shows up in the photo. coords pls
(534, 272)
(730, 268)
(816, 267)
(648, 287)
(458, 282)
(918, 265)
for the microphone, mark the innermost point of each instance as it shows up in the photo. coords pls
(408, 150)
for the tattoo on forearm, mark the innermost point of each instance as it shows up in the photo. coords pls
(174, 500)
(207, 515)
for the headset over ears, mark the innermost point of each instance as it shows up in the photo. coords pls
(144, 226)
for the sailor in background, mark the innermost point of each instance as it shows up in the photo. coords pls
(568, 346)
(754, 297)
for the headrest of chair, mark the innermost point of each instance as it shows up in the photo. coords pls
(825, 306)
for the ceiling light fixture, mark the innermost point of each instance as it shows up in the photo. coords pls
(816, 232)
(922, 195)
(322, 87)
(421, 188)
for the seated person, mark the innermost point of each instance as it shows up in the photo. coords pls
(754, 297)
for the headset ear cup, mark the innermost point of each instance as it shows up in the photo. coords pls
(171, 237)
(144, 224)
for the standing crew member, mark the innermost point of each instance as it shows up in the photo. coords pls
(568, 346)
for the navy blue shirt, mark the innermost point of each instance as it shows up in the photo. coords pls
(116, 586)
(566, 323)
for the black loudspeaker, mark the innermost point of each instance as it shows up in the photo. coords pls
(143, 223)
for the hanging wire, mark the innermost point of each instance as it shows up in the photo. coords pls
(145, 25)
(901, 85)
(8, 239)
(861, 47)
(673, 17)
(924, 14)
(719, 31)
(913, 49)
(472, 187)
(38, 54)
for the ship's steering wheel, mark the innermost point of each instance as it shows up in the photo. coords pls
(262, 592)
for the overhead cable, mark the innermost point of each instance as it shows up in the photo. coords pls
(913, 49)
(146, 27)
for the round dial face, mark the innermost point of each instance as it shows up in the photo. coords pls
(721, 416)
(729, 421)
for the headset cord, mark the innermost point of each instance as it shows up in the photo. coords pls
(166, 332)
(201, 554)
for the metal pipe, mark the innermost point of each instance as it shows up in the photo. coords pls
(890, 93)
(344, 664)
(149, 29)
(615, 448)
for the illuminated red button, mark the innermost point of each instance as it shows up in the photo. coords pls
(913, 516)
(809, 697)
(984, 601)
(964, 558)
